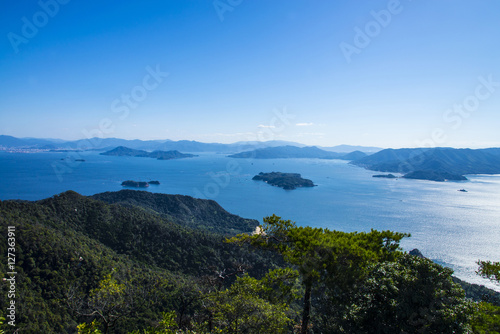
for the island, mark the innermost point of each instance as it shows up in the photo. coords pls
(122, 151)
(135, 184)
(387, 176)
(287, 181)
(156, 183)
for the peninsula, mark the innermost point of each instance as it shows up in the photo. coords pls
(434, 164)
(287, 181)
(286, 152)
(123, 151)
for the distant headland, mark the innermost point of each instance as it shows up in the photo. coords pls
(434, 164)
(287, 152)
(123, 151)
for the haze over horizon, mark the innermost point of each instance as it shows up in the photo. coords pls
(372, 73)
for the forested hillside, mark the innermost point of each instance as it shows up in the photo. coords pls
(449, 160)
(74, 241)
(136, 262)
(183, 210)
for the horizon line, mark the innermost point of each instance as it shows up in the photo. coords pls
(249, 141)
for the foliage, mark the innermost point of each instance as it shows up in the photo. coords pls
(489, 270)
(143, 267)
(186, 211)
(411, 295)
(167, 325)
(111, 300)
(92, 328)
(70, 242)
(321, 255)
(316, 251)
(486, 320)
(248, 306)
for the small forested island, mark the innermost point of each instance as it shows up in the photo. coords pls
(387, 176)
(287, 181)
(135, 184)
(139, 184)
(122, 151)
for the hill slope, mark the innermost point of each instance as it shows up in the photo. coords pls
(456, 162)
(183, 210)
(71, 241)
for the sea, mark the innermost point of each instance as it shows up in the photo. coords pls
(453, 228)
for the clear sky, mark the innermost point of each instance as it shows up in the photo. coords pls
(381, 73)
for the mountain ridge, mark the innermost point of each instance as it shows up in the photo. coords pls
(286, 152)
(67, 243)
(441, 160)
(162, 144)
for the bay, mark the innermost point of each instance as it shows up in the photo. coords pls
(451, 227)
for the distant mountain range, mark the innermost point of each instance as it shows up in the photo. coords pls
(351, 148)
(122, 151)
(437, 164)
(103, 144)
(285, 152)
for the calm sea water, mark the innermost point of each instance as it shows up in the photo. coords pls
(451, 227)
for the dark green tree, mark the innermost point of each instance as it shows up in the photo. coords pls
(111, 301)
(320, 254)
(486, 319)
(410, 295)
(489, 270)
(487, 316)
(248, 307)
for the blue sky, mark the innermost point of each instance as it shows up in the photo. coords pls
(379, 73)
